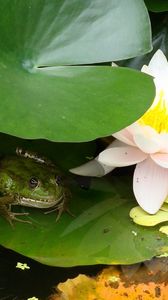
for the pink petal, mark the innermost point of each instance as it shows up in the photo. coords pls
(94, 167)
(150, 185)
(116, 143)
(121, 156)
(125, 136)
(160, 159)
(147, 139)
(164, 142)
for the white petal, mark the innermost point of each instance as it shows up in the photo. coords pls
(137, 128)
(146, 69)
(121, 156)
(94, 167)
(125, 136)
(114, 64)
(160, 159)
(150, 185)
(158, 67)
(164, 142)
(116, 143)
(158, 64)
(147, 139)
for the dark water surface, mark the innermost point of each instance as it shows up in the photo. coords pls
(38, 281)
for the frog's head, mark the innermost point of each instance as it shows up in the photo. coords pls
(32, 183)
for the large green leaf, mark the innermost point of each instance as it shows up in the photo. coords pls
(101, 231)
(44, 94)
(159, 40)
(157, 6)
(50, 33)
(95, 101)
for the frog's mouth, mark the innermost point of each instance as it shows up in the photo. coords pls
(39, 203)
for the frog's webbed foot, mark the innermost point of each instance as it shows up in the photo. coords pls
(10, 216)
(61, 206)
(13, 217)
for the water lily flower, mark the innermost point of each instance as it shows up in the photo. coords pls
(144, 143)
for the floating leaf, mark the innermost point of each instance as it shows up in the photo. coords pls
(159, 40)
(141, 217)
(100, 233)
(45, 93)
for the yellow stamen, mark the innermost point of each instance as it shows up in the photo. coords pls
(157, 116)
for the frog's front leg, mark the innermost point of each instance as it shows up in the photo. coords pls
(5, 210)
(61, 206)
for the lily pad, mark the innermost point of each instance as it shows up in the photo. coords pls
(101, 232)
(46, 89)
(159, 24)
(141, 217)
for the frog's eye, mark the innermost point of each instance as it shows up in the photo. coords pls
(33, 182)
(58, 179)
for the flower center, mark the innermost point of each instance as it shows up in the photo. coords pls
(157, 115)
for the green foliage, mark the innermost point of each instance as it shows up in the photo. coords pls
(100, 233)
(157, 6)
(45, 89)
(57, 83)
(101, 230)
(159, 24)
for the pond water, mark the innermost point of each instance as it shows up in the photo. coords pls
(38, 281)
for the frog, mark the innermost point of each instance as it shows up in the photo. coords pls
(30, 181)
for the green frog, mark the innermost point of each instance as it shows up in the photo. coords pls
(27, 180)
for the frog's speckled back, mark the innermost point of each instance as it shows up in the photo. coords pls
(30, 183)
